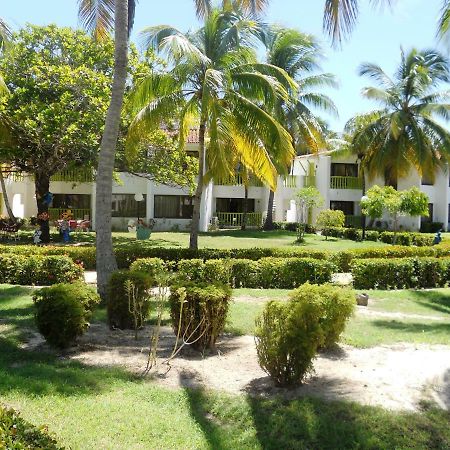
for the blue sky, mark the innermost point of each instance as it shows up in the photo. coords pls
(377, 38)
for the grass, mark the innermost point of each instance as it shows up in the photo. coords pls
(103, 408)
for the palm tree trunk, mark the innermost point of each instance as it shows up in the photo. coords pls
(245, 209)
(42, 187)
(363, 216)
(106, 261)
(6, 199)
(268, 224)
(195, 224)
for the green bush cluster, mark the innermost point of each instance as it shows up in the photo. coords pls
(292, 226)
(199, 312)
(38, 270)
(151, 266)
(400, 273)
(63, 311)
(431, 227)
(16, 433)
(120, 314)
(289, 334)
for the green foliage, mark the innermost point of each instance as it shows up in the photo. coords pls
(307, 198)
(400, 273)
(59, 81)
(38, 270)
(199, 312)
(63, 312)
(18, 434)
(431, 227)
(152, 266)
(118, 305)
(330, 218)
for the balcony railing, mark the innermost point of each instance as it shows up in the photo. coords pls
(77, 213)
(232, 219)
(309, 181)
(290, 181)
(75, 175)
(238, 181)
(353, 221)
(345, 183)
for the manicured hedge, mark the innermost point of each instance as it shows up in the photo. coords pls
(38, 270)
(16, 433)
(400, 273)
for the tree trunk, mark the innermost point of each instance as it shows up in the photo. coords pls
(6, 199)
(363, 216)
(195, 225)
(268, 224)
(106, 261)
(42, 187)
(245, 209)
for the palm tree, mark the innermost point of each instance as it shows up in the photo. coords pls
(297, 54)
(216, 79)
(404, 132)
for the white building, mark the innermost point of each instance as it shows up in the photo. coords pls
(171, 207)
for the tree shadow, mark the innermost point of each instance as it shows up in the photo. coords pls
(414, 327)
(435, 300)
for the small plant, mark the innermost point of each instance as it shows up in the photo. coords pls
(63, 312)
(199, 312)
(330, 218)
(129, 309)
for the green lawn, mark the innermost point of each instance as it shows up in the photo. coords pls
(107, 408)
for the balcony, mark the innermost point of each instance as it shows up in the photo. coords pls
(235, 219)
(238, 181)
(346, 183)
(309, 181)
(290, 181)
(75, 176)
(77, 213)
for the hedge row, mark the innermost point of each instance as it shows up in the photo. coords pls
(401, 273)
(388, 237)
(265, 273)
(38, 270)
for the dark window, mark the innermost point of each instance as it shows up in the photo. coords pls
(124, 205)
(348, 208)
(344, 170)
(72, 201)
(174, 206)
(428, 219)
(427, 181)
(390, 180)
(235, 205)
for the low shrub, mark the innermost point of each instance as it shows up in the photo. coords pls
(372, 235)
(120, 314)
(63, 312)
(244, 273)
(199, 312)
(150, 266)
(192, 269)
(217, 271)
(406, 239)
(400, 273)
(16, 433)
(288, 334)
(352, 234)
(38, 270)
(431, 227)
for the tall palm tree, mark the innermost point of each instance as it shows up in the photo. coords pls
(216, 79)
(297, 54)
(404, 132)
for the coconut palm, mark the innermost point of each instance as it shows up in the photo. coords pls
(297, 54)
(215, 78)
(404, 132)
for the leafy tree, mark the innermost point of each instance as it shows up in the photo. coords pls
(59, 82)
(215, 80)
(307, 198)
(404, 133)
(330, 218)
(411, 202)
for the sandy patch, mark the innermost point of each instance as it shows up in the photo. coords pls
(396, 377)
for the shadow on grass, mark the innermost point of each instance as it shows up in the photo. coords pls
(251, 234)
(435, 300)
(414, 327)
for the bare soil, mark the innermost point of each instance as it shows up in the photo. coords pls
(396, 377)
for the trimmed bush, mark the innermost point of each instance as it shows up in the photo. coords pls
(192, 269)
(151, 266)
(199, 312)
(406, 239)
(63, 312)
(38, 270)
(244, 273)
(16, 433)
(400, 273)
(119, 310)
(217, 271)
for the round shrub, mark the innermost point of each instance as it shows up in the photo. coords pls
(119, 310)
(199, 312)
(288, 334)
(63, 312)
(151, 266)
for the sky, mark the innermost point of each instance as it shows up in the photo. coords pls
(377, 38)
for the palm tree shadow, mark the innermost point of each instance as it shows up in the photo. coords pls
(435, 300)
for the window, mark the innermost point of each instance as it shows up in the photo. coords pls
(428, 219)
(124, 205)
(348, 208)
(344, 170)
(174, 206)
(235, 205)
(71, 201)
(390, 180)
(427, 181)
